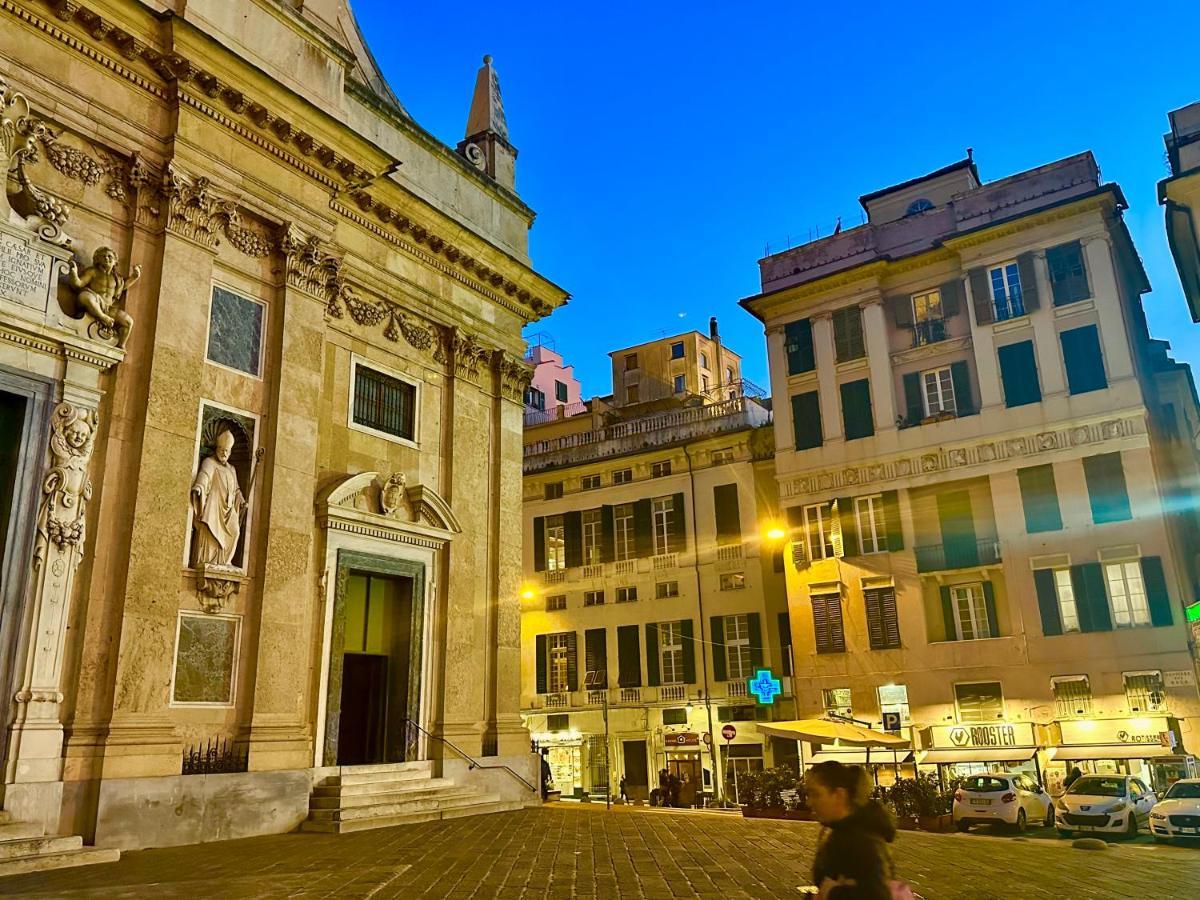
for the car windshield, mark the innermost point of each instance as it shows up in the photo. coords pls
(1184, 790)
(1099, 787)
(984, 784)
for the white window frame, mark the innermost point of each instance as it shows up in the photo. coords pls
(733, 581)
(558, 662)
(262, 336)
(665, 590)
(818, 528)
(670, 652)
(943, 384)
(627, 594)
(1135, 607)
(590, 482)
(660, 469)
(902, 708)
(591, 524)
(1003, 268)
(737, 648)
(355, 362)
(233, 677)
(1145, 673)
(970, 607)
(936, 301)
(593, 598)
(622, 476)
(556, 544)
(624, 539)
(556, 602)
(869, 516)
(1074, 712)
(662, 512)
(1064, 592)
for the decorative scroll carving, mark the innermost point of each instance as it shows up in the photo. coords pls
(312, 268)
(66, 488)
(23, 201)
(515, 375)
(197, 212)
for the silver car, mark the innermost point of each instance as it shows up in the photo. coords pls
(1109, 804)
(1177, 814)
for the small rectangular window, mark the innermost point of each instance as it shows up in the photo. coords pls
(556, 602)
(1072, 696)
(593, 598)
(979, 702)
(560, 392)
(660, 469)
(663, 590)
(1068, 275)
(1005, 280)
(703, 360)
(384, 403)
(627, 594)
(848, 341)
(1084, 360)
(838, 701)
(1144, 692)
(675, 716)
(235, 331)
(590, 482)
(631, 394)
(798, 345)
(732, 581)
(677, 350)
(553, 490)
(938, 391)
(622, 476)
(680, 384)
(631, 362)
(558, 722)
(722, 456)
(535, 399)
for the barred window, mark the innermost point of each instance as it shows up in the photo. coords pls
(1072, 696)
(384, 403)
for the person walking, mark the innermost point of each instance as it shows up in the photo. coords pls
(547, 777)
(673, 790)
(624, 793)
(852, 861)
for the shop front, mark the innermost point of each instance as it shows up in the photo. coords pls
(564, 753)
(886, 764)
(1147, 747)
(684, 760)
(956, 751)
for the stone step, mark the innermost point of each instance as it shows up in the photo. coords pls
(372, 775)
(352, 800)
(388, 821)
(422, 765)
(12, 830)
(404, 806)
(38, 846)
(86, 857)
(389, 786)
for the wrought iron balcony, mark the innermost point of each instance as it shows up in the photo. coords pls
(958, 555)
(929, 331)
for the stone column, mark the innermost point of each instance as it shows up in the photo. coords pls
(1114, 340)
(34, 768)
(879, 359)
(823, 350)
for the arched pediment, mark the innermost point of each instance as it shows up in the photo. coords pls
(386, 506)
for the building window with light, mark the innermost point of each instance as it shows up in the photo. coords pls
(818, 530)
(738, 658)
(872, 526)
(670, 652)
(1064, 590)
(837, 702)
(929, 322)
(590, 523)
(623, 537)
(663, 516)
(1127, 594)
(1072, 696)
(664, 590)
(556, 544)
(558, 647)
(893, 698)
(979, 701)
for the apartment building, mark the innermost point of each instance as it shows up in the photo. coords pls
(653, 594)
(988, 468)
(1179, 195)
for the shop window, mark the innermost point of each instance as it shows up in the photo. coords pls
(1072, 696)
(894, 698)
(556, 544)
(663, 590)
(837, 702)
(556, 602)
(623, 533)
(979, 701)
(1144, 692)
(558, 722)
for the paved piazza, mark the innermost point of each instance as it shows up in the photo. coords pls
(570, 851)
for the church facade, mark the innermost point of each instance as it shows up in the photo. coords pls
(261, 382)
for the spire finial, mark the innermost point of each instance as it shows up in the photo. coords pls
(487, 59)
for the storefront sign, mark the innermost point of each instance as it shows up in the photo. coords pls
(1148, 730)
(974, 737)
(682, 739)
(1182, 678)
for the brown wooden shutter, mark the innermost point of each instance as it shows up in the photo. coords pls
(643, 529)
(901, 309)
(595, 656)
(608, 543)
(849, 526)
(952, 297)
(820, 624)
(1029, 285)
(573, 536)
(678, 525)
(717, 629)
(539, 544)
(837, 634)
(874, 619)
(981, 296)
(572, 661)
(891, 618)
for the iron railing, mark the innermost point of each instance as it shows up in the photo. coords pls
(412, 729)
(215, 756)
(961, 555)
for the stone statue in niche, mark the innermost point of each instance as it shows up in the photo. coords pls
(392, 495)
(67, 488)
(219, 507)
(101, 291)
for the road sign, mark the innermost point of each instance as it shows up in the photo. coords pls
(707, 738)
(891, 721)
(729, 732)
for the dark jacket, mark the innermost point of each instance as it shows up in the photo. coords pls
(856, 847)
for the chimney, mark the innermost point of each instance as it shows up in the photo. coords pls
(712, 328)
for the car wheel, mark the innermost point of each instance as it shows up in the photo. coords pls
(1049, 822)
(1022, 821)
(962, 826)
(1131, 830)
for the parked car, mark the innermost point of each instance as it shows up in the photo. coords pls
(1113, 804)
(1015, 800)
(1177, 814)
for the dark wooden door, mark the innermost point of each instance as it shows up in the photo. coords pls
(637, 773)
(364, 709)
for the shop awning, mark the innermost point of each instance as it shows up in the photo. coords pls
(859, 757)
(825, 731)
(1111, 751)
(978, 754)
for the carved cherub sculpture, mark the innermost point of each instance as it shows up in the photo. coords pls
(101, 291)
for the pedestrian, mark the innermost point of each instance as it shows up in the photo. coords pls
(624, 793)
(673, 790)
(547, 777)
(852, 861)
(663, 793)
(1072, 777)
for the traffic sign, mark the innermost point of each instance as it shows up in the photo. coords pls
(729, 732)
(707, 738)
(891, 721)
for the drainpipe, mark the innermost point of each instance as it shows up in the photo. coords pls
(718, 781)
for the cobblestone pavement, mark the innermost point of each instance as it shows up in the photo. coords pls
(572, 851)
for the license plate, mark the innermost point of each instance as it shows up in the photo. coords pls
(975, 801)
(1189, 830)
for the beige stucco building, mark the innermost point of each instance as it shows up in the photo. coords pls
(259, 513)
(1179, 195)
(653, 593)
(989, 468)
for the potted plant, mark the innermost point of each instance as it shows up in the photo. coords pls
(932, 805)
(902, 798)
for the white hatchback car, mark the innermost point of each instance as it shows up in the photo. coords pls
(1015, 800)
(1114, 804)
(1177, 814)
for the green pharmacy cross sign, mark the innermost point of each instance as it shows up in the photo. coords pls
(765, 686)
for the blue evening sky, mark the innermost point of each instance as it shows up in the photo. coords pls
(666, 145)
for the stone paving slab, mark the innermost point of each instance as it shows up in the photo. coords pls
(570, 851)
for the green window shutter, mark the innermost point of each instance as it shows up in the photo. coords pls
(1157, 597)
(1047, 597)
(914, 401)
(608, 542)
(689, 652)
(1083, 359)
(848, 334)
(629, 657)
(728, 518)
(960, 375)
(573, 536)
(952, 297)
(902, 310)
(754, 624)
(595, 658)
(1109, 498)
(1039, 499)
(989, 602)
(539, 544)
(857, 420)
(652, 673)
(891, 518)
(949, 620)
(678, 525)
(981, 296)
(1068, 273)
(540, 650)
(785, 643)
(643, 528)
(1029, 286)
(717, 623)
(572, 661)
(798, 344)
(849, 526)
(1091, 598)
(806, 420)
(1018, 374)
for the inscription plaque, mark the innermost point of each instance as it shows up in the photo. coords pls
(24, 273)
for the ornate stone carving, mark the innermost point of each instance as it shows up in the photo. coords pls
(392, 495)
(515, 375)
(468, 353)
(197, 212)
(22, 202)
(101, 291)
(66, 489)
(312, 268)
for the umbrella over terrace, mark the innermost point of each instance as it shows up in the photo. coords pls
(824, 731)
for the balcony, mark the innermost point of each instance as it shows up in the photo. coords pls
(556, 576)
(958, 555)
(929, 331)
(631, 695)
(625, 567)
(557, 701)
(669, 692)
(737, 688)
(664, 561)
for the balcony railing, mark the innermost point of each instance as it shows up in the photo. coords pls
(556, 576)
(672, 692)
(738, 688)
(1009, 308)
(556, 701)
(631, 695)
(729, 553)
(962, 555)
(596, 698)
(595, 571)
(929, 331)
(625, 567)
(664, 561)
